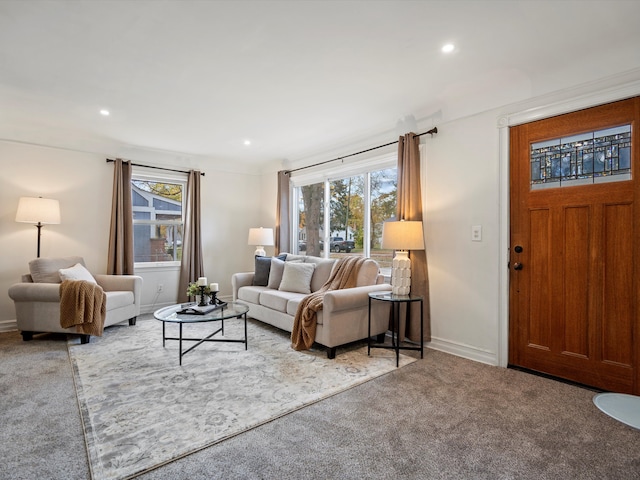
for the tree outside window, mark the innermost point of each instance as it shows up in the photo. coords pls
(352, 199)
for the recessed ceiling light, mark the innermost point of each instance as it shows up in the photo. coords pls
(448, 48)
(247, 142)
(104, 112)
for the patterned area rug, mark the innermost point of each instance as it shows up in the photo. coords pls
(140, 409)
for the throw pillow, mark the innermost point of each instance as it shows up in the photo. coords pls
(262, 269)
(77, 272)
(275, 274)
(296, 277)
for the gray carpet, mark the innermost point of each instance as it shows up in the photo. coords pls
(442, 417)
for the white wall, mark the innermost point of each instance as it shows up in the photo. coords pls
(461, 167)
(82, 182)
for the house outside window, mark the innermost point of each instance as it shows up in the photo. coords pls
(342, 213)
(157, 204)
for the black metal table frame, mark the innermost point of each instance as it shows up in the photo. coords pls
(208, 338)
(396, 343)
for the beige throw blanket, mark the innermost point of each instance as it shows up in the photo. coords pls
(83, 305)
(344, 275)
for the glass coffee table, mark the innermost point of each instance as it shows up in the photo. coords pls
(172, 314)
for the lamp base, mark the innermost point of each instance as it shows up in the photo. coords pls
(401, 273)
(260, 251)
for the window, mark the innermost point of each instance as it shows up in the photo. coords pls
(591, 157)
(383, 201)
(346, 211)
(157, 218)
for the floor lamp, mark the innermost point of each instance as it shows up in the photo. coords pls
(402, 236)
(260, 237)
(39, 211)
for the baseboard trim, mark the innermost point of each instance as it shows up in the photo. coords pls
(8, 326)
(465, 351)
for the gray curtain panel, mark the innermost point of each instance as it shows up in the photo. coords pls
(191, 267)
(120, 256)
(283, 222)
(410, 208)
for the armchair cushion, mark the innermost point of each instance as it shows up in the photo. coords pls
(47, 270)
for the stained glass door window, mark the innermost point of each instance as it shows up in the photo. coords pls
(586, 158)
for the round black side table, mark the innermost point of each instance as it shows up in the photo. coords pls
(396, 342)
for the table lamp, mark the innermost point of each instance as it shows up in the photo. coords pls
(260, 237)
(402, 236)
(39, 211)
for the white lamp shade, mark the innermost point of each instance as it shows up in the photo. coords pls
(260, 236)
(402, 235)
(38, 210)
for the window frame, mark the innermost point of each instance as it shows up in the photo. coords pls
(327, 174)
(148, 175)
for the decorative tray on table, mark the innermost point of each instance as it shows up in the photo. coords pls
(195, 309)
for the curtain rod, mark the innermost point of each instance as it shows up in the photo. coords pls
(288, 172)
(110, 160)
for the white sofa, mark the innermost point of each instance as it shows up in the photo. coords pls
(344, 317)
(37, 298)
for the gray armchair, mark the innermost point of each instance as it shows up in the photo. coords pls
(37, 297)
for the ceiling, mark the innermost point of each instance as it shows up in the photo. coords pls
(294, 78)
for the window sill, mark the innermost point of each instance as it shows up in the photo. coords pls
(142, 266)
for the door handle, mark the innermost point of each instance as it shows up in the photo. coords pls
(517, 266)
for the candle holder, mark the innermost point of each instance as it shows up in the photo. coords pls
(202, 289)
(214, 299)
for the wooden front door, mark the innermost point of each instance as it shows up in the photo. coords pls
(575, 246)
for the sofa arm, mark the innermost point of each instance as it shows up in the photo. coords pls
(120, 283)
(242, 279)
(35, 292)
(350, 298)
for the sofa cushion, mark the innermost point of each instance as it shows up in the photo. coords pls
(297, 277)
(292, 308)
(46, 270)
(368, 274)
(77, 272)
(291, 257)
(262, 269)
(324, 267)
(277, 300)
(251, 294)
